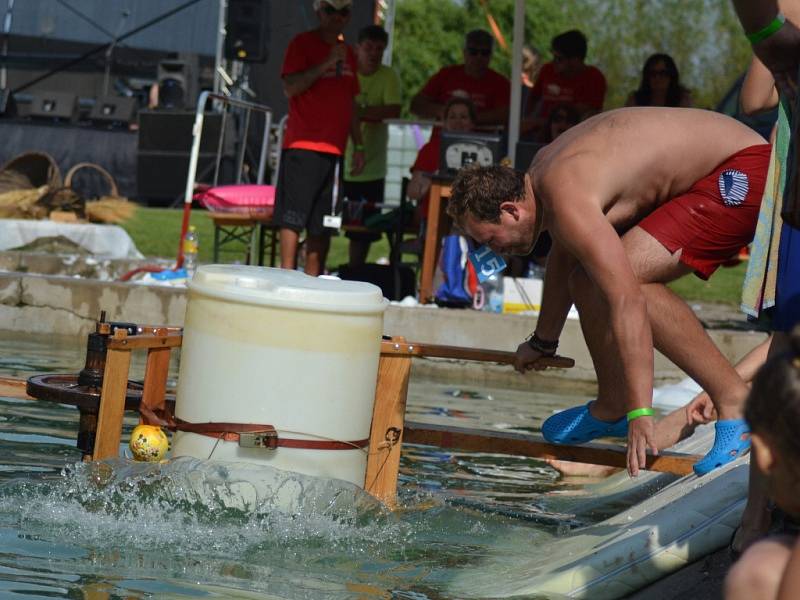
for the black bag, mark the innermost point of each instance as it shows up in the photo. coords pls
(395, 282)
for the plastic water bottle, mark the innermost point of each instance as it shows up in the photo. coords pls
(493, 294)
(190, 248)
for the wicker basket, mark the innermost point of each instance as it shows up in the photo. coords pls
(30, 170)
(92, 175)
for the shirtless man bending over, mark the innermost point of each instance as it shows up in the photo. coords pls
(633, 198)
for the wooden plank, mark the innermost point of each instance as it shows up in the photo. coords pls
(153, 329)
(112, 403)
(385, 439)
(155, 376)
(506, 442)
(171, 340)
(461, 353)
(14, 388)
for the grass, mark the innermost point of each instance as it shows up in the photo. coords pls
(156, 231)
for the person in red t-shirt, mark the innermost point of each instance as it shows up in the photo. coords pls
(487, 89)
(319, 77)
(567, 79)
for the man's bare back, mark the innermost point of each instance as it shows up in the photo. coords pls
(630, 161)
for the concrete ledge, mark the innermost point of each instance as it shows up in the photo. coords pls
(69, 306)
(72, 265)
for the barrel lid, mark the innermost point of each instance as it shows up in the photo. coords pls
(288, 289)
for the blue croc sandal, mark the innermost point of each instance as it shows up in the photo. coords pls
(576, 425)
(728, 445)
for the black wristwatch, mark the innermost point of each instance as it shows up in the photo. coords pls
(542, 346)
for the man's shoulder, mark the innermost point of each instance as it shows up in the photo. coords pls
(387, 73)
(498, 77)
(449, 71)
(594, 73)
(305, 37)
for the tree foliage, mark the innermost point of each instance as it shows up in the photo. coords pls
(703, 36)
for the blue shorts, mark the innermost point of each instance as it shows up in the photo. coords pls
(786, 313)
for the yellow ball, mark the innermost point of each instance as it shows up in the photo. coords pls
(148, 443)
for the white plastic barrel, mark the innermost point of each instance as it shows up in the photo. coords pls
(277, 347)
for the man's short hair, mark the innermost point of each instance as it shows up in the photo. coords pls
(571, 44)
(374, 33)
(480, 38)
(480, 191)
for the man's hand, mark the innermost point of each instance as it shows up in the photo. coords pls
(338, 54)
(526, 358)
(641, 436)
(358, 162)
(780, 53)
(700, 410)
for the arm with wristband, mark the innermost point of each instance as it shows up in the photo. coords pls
(775, 40)
(556, 302)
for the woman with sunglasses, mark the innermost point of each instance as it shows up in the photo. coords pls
(660, 84)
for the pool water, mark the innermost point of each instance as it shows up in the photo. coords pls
(190, 528)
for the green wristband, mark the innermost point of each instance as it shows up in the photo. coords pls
(763, 33)
(358, 147)
(640, 412)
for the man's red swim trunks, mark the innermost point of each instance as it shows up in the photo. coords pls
(717, 216)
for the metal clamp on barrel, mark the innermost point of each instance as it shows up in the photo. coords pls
(268, 440)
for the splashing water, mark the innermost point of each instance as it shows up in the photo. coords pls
(188, 528)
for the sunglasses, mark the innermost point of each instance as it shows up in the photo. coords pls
(330, 11)
(481, 51)
(658, 73)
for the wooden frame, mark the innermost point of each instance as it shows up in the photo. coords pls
(388, 430)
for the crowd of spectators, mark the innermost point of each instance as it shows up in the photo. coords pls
(340, 96)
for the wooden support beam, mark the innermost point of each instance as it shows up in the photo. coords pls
(14, 388)
(518, 444)
(146, 340)
(388, 415)
(112, 399)
(459, 353)
(155, 376)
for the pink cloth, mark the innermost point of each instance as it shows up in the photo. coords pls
(244, 198)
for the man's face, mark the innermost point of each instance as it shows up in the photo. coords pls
(332, 20)
(370, 55)
(514, 234)
(564, 65)
(477, 57)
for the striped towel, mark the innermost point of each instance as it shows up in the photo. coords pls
(758, 290)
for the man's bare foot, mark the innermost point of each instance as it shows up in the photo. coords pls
(576, 469)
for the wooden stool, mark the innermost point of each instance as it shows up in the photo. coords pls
(250, 229)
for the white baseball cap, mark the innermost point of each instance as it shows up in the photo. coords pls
(337, 4)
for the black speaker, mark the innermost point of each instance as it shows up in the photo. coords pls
(54, 105)
(177, 84)
(171, 130)
(113, 111)
(246, 30)
(161, 176)
(165, 143)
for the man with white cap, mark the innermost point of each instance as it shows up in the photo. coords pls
(319, 77)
